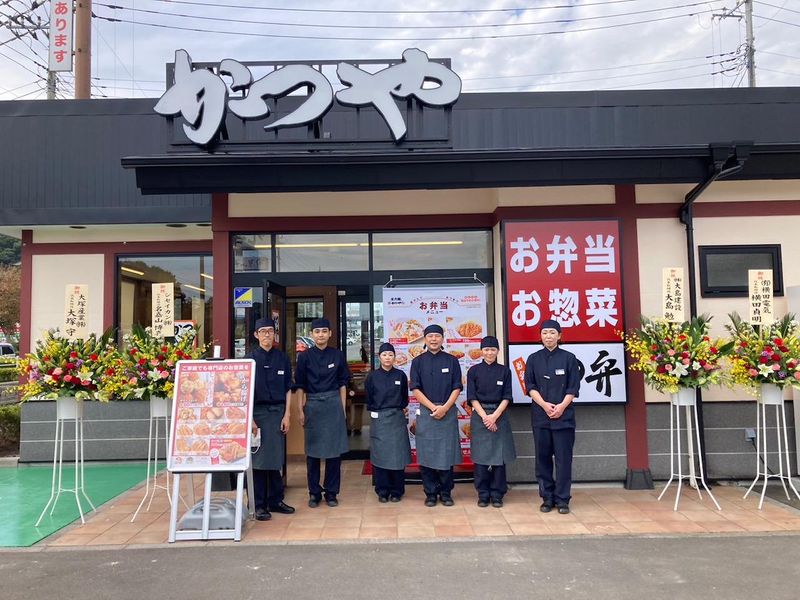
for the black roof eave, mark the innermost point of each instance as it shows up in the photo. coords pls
(445, 169)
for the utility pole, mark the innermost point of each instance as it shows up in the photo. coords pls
(750, 43)
(83, 49)
(751, 46)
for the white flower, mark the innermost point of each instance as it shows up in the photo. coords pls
(680, 370)
(764, 370)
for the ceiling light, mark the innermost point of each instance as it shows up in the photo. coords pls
(193, 287)
(129, 270)
(207, 276)
(341, 245)
(432, 243)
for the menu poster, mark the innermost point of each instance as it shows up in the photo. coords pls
(601, 366)
(163, 316)
(672, 294)
(212, 414)
(76, 299)
(761, 309)
(461, 312)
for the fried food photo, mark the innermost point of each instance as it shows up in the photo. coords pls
(410, 330)
(212, 414)
(186, 414)
(457, 353)
(475, 353)
(183, 445)
(469, 329)
(184, 430)
(467, 407)
(222, 429)
(234, 413)
(466, 430)
(416, 350)
(400, 359)
(237, 428)
(231, 452)
(200, 446)
(202, 429)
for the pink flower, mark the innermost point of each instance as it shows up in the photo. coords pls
(776, 367)
(671, 352)
(57, 371)
(753, 373)
(668, 368)
(164, 374)
(708, 367)
(132, 381)
(797, 374)
(685, 361)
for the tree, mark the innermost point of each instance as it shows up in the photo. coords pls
(9, 250)
(10, 289)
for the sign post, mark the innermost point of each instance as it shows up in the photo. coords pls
(212, 416)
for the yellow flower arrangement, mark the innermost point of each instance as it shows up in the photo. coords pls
(765, 354)
(677, 355)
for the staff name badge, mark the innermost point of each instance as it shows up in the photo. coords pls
(281, 372)
(560, 371)
(373, 414)
(397, 382)
(445, 370)
(499, 383)
(330, 366)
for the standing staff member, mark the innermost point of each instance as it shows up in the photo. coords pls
(492, 447)
(321, 382)
(271, 412)
(389, 447)
(436, 382)
(552, 380)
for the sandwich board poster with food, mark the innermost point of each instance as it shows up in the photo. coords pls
(212, 413)
(461, 312)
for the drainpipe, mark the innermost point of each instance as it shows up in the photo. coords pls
(726, 160)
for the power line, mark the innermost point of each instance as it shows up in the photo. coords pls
(779, 54)
(29, 70)
(402, 27)
(781, 72)
(416, 39)
(396, 12)
(780, 8)
(776, 21)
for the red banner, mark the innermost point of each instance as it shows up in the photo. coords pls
(563, 270)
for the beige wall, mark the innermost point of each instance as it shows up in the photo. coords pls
(51, 274)
(722, 191)
(411, 202)
(120, 233)
(662, 243)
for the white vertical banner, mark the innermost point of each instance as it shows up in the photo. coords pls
(761, 307)
(461, 311)
(163, 317)
(60, 51)
(76, 303)
(672, 294)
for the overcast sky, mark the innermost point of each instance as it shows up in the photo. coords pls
(495, 45)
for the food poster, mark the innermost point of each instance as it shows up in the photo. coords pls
(461, 312)
(212, 415)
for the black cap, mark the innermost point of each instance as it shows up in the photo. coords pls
(550, 324)
(490, 342)
(320, 323)
(386, 347)
(434, 329)
(262, 323)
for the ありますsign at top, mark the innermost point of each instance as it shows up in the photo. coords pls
(201, 96)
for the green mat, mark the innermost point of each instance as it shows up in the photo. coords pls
(24, 491)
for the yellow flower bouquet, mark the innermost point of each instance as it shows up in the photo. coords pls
(765, 354)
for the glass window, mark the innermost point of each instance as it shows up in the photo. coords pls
(322, 252)
(194, 289)
(432, 250)
(252, 253)
(723, 269)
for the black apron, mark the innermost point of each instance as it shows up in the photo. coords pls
(270, 456)
(438, 442)
(488, 448)
(389, 447)
(325, 428)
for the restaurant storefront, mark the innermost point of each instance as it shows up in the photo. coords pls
(320, 219)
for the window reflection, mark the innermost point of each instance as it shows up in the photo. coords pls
(432, 250)
(252, 253)
(322, 252)
(194, 290)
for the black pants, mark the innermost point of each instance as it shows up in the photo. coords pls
(333, 477)
(554, 446)
(437, 481)
(389, 482)
(268, 488)
(491, 482)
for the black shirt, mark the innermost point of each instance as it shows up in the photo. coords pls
(386, 389)
(321, 370)
(489, 383)
(436, 375)
(273, 376)
(554, 375)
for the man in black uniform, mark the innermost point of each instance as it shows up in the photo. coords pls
(552, 380)
(389, 447)
(436, 382)
(492, 443)
(321, 383)
(271, 412)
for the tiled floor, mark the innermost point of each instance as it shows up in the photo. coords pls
(359, 516)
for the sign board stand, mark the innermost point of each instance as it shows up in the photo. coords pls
(212, 416)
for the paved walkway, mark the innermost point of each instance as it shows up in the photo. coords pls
(596, 511)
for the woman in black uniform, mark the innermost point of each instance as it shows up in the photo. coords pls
(390, 449)
(492, 446)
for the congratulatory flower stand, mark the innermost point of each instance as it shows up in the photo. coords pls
(678, 359)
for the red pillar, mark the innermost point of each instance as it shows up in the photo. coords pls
(26, 292)
(638, 472)
(221, 251)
